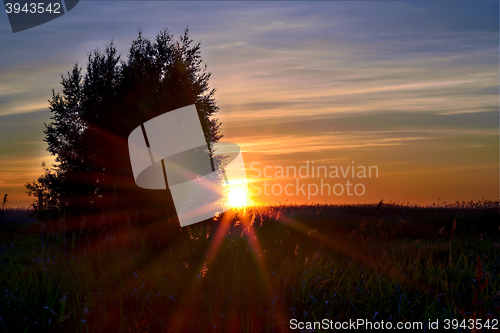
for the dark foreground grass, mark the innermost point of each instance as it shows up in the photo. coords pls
(254, 271)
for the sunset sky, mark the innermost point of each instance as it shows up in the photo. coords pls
(409, 87)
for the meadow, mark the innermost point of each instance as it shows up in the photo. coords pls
(255, 269)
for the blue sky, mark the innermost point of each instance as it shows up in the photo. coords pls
(409, 86)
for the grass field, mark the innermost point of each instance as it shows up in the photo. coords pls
(254, 270)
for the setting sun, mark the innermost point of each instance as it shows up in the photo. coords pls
(237, 197)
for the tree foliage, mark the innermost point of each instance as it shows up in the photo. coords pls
(95, 112)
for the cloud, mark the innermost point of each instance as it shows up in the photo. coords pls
(401, 80)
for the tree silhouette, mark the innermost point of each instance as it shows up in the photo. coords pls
(94, 114)
(2, 210)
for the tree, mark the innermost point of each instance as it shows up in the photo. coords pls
(46, 193)
(2, 211)
(95, 112)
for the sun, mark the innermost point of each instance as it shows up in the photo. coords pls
(237, 197)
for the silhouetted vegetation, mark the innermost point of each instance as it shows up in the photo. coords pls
(106, 256)
(93, 116)
(253, 270)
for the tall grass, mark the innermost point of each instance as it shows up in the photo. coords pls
(253, 270)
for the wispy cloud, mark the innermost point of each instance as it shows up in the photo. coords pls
(388, 82)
